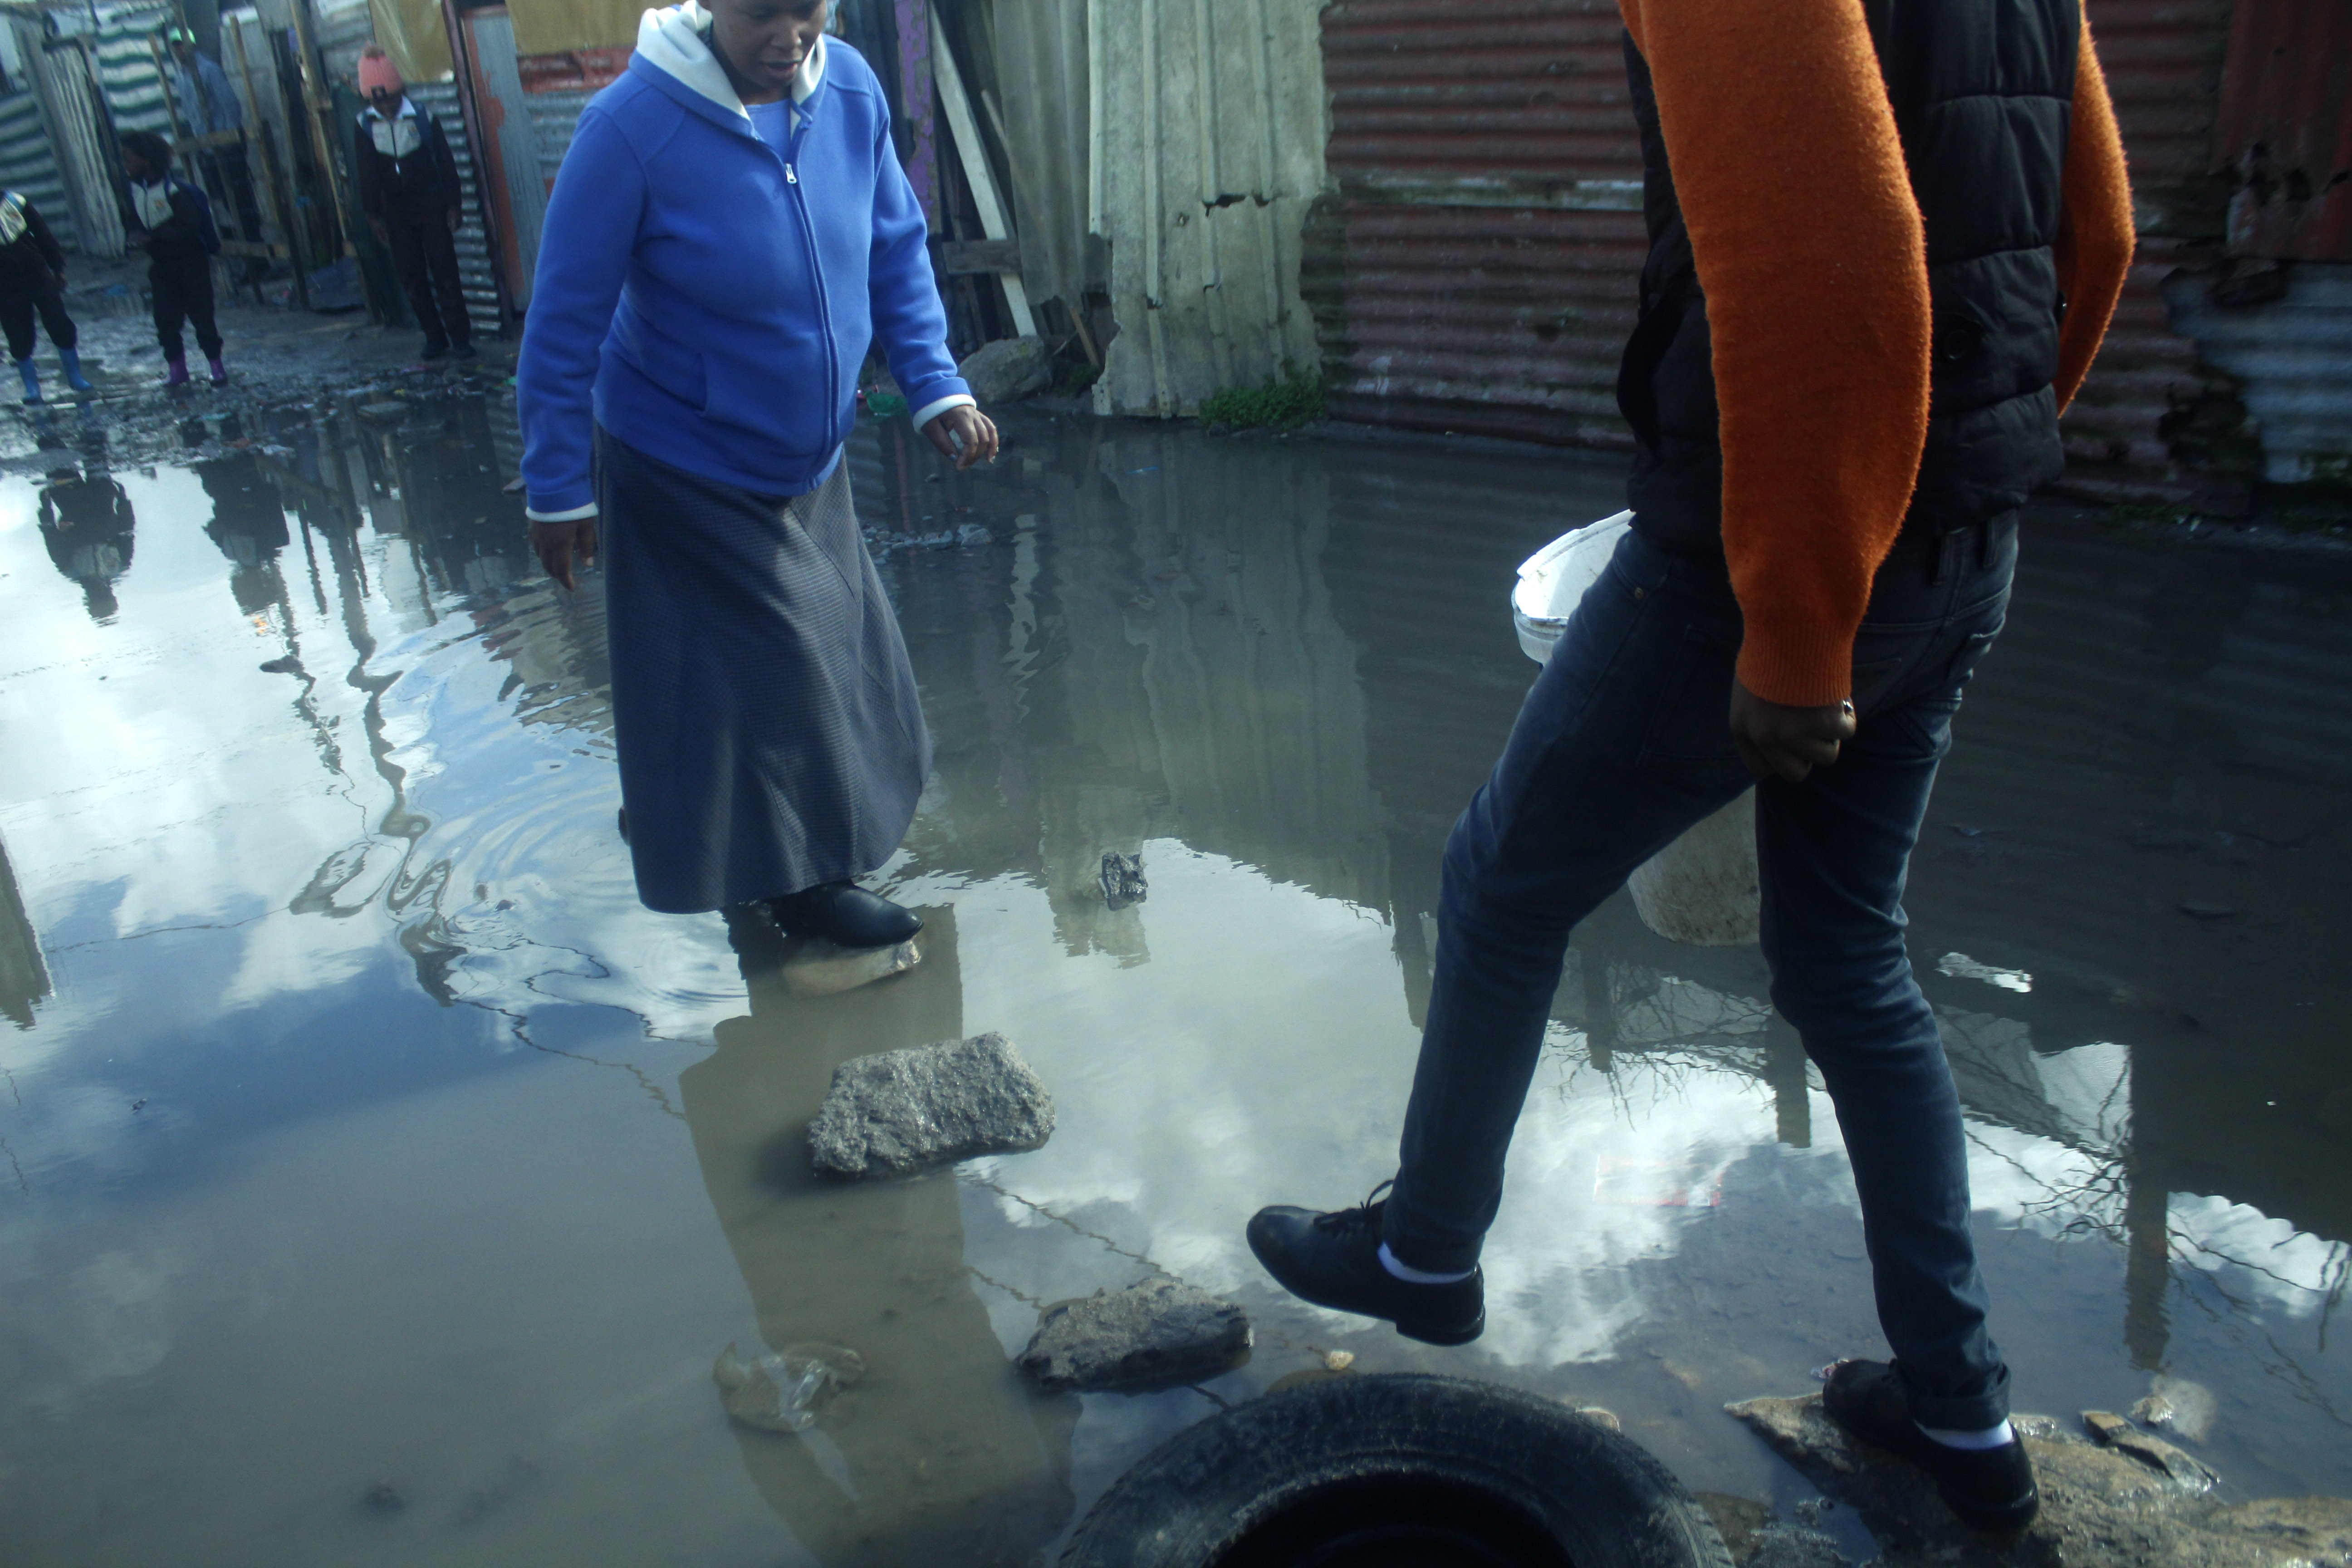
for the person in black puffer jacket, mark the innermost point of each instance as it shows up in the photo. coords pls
(32, 281)
(171, 220)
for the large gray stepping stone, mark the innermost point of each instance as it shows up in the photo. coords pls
(1163, 1331)
(906, 1110)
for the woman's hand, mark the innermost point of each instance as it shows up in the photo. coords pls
(558, 543)
(967, 425)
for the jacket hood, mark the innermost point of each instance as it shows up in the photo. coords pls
(676, 42)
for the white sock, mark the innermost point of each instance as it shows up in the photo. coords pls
(1412, 1276)
(1999, 1437)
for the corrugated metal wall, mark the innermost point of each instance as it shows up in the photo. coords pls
(2163, 64)
(1475, 268)
(125, 47)
(2286, 129)
(67, 88)
(473, 240)
(2293, 358)
(554, 116)
(28, 167)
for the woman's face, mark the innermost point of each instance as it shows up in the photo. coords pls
(135, 166)
(763, 42)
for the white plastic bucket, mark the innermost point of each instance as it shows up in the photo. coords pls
(1703, 888)
(1553, 580)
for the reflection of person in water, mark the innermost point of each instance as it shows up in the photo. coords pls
(951, 1458)
(87, 522)
(248, 525)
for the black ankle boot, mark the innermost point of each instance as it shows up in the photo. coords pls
(1334, 1260)
(1991, 1489)
(846, 913)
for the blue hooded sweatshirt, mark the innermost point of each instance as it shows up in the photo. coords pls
(712, 299)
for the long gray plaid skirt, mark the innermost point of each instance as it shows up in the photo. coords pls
(769, 730)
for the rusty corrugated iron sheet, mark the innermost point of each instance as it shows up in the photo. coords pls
(1476, 270)
(2285, 130)
(2163, 64)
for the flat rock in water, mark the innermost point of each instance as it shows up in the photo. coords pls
(2101, 1506)
(2123, 1437)
(816, 967)
(907, 1111)
(1163, 1331)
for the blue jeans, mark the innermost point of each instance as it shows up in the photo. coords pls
(1622, 744)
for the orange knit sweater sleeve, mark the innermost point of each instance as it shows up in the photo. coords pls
(2095, 234)
(1812, 255)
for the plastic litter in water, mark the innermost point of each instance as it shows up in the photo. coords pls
(782, 1391)
(1960, 966)
(1657, 1184)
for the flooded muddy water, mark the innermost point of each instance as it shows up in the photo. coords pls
(380, 1180)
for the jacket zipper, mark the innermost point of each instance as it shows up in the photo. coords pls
(816, 278)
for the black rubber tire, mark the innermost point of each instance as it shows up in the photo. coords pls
(1259, 1486)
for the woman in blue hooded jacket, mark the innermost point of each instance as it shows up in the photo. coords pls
(729, 233)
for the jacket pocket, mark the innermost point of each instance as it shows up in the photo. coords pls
(669, 366)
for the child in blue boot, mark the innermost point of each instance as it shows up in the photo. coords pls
(173, 220)
(32, 281)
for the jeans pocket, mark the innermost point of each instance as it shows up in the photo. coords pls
(1689, 738)
(1963, 666)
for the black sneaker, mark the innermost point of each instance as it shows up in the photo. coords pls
(434, 351)
(1334, 1260)
(846, 914)
(464, 351)
(1991, 1489)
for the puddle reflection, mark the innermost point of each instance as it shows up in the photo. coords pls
(342, 835)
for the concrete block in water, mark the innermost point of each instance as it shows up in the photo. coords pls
(816, 967)
(1122, 879)
(1008, 368)
(1161, 1330)
(906, 1110)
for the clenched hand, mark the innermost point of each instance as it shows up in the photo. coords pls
(1773, 738)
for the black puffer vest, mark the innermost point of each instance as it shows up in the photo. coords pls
(1983, 95)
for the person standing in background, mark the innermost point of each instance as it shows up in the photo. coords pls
(209, 105)
(33, 280)
(171, 220)
(1885, 240)
(730, 233)
(407, 178)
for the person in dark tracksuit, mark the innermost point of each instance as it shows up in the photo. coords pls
(32, 281)
(173, 220)
(408, 187)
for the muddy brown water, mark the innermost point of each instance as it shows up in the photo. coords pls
(381, 1182)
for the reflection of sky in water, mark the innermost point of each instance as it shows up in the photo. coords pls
(300, 928)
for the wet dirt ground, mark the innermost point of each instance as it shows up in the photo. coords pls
(380, 1180)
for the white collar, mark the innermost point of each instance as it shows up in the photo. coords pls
(406, 111)
(673, 41)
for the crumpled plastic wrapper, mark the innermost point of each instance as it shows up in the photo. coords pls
(782, 1391)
